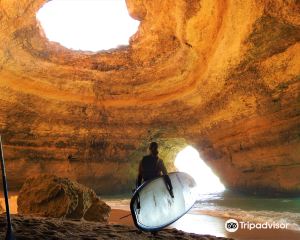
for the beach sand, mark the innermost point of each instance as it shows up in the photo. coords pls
(204, 226)
(209, 225)
(50, 228)
(26, 227)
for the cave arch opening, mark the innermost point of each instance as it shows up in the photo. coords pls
(188, 160)
(87, 25)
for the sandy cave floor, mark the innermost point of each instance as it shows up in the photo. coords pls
(49, 228)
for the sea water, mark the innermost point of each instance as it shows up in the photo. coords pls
(250, 208)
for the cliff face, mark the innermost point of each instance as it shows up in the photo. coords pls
(223, 76)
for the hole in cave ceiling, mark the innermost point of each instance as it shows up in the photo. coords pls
(87, 25)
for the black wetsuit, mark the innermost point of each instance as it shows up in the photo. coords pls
(151, 167)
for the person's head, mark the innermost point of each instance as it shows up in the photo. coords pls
(153, 148)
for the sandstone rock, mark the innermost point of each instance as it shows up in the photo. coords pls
(222, 75)
(1, 209)
(52, 196)
(96, 210)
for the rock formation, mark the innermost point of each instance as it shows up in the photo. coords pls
(220, 75)
(1, 209)
(51, 196)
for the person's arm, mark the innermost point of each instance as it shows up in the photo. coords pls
(166, 178)
(163, 167)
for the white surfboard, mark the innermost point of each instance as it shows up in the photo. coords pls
(152, 206)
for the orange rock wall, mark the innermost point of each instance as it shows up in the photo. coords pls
(222, 75)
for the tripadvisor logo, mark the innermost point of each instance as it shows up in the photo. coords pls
(231, 225)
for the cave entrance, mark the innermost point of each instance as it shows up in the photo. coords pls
(87, 25)
(189, 161)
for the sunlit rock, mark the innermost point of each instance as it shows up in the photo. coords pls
(51, 196)
(222, 76)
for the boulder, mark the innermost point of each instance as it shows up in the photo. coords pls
(52, 196)
(95, 211)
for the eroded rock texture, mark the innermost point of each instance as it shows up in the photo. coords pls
(51, 196)
(220, 75)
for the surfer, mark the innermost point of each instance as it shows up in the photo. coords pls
(151, 166)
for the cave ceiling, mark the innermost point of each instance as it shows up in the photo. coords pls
(221, 75)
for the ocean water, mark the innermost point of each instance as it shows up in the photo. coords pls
(250, 208)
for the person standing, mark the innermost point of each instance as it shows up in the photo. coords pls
(151, 166)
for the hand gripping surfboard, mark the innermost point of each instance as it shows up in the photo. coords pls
(153, 208)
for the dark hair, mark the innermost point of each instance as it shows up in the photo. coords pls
(153, 145)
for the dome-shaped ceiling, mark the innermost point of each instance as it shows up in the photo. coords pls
(222, 76)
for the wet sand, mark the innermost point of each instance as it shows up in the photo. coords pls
(117, 217)
(205, 224)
